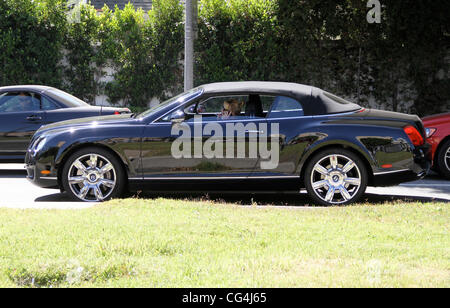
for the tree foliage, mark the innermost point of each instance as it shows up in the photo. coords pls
(328, 44)
(31, 38)
(82, 55)
(143, 51)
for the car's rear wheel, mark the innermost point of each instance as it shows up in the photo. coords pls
(336, 177)
(443, 159)
(93, 174)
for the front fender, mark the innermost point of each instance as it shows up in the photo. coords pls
(127, 146)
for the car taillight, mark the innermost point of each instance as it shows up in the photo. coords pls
(414, 135)
(116, 112)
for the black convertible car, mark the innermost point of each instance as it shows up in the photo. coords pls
(23, 109)
(241, 136)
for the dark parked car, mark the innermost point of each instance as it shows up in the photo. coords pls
(331, 146)
(438, 136)
(23, 109)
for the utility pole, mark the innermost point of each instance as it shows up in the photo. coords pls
(191, 10)
(359, 76)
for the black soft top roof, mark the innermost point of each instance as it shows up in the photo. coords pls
(314, 100)
(258, 86)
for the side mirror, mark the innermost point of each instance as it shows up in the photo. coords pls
(177, 121)
(178, 117)
(191, 110)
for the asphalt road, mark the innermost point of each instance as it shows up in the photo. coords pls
(17, 192)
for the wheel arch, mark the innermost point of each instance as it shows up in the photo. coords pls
(68, 152)
(326, 147)
(439, 148)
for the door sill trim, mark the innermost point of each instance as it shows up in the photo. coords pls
(217, 178)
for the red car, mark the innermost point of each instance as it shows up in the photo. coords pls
(438, 135)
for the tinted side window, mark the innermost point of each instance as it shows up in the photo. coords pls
(216, 106)
(284, 106)
(47, 104)
(267, 101)
(235, 107)
(19, 102)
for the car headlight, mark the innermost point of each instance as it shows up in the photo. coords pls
(38, 146)
(430, 131)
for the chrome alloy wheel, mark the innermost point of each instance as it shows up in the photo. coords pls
(92, 177)
(336, 179)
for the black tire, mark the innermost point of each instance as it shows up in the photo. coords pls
(443, 160)
(343, 187)
(116, 174)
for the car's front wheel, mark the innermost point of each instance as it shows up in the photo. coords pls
(443, 160)
(336, 177)
(93, 174)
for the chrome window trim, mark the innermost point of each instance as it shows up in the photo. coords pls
(287, 110)
(247, 120)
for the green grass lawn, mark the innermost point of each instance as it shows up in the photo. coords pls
(176, 243)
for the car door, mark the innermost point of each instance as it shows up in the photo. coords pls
(20, 117)
(204, 145)
(286, 140)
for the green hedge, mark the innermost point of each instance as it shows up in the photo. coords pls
(82, 55)
(328, 44)
(31, 41)
(143, 51)
(238, 40)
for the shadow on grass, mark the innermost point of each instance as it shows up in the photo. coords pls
(299, 200)
(274, 199)
(261, 199)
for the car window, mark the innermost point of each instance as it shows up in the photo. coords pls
(234, 107)
(19, 102)
(47, 104)
(228, 107)
(267, 101)
(223, 106)
(284, 106)
(213, 108)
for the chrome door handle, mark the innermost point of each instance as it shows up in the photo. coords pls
(34, 118)
(254, 131)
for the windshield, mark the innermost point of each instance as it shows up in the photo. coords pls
(66, 98)
(183, 97)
